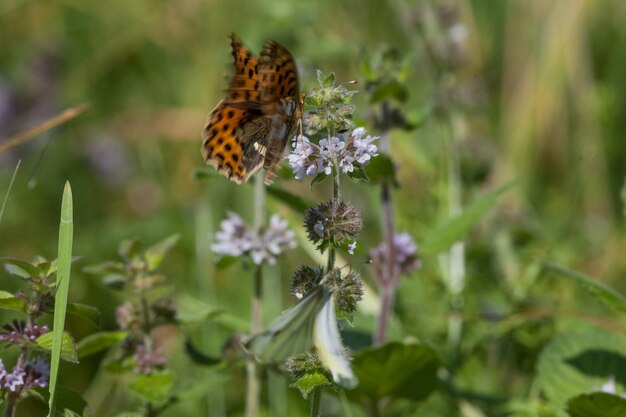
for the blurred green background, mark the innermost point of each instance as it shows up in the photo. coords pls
(539, 93)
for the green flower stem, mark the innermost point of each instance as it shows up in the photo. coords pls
(315, 403)
(256, 319)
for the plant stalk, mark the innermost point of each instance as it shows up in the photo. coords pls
(315, 403)
(256, 319)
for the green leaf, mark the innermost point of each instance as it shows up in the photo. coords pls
(310, 381)
(19, 268)
(359, 174)
(84, 311)
(192, 310)
(200, 357)
(294, 202)
(381, 169)
(597, 404)
(455, 229)
(130, 248)
(68, 347)
(100, 341)
(106, 268)
(115, 282)
(319, 178)
(226, 261)
(395, 370)
(575, 363)
(62, 344)
(155, 254)
(154, 387)
(391, 89)
(606, 295)
(69, 400)
(129, 414)
(119, 365)
(9, 302)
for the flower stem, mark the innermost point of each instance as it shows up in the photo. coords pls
(389, 280)
(315, 403)
(256, 319)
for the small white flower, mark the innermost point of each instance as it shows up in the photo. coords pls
(352, 247)
(346, 164)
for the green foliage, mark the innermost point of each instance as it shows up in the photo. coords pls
(154, 387)
(597, 404)
(606, 295)
(457, 228)
(395, 370)
(578, 362)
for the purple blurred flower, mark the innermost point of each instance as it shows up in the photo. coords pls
(146, 362)
(14, 380)
(404, 252)
(235, 238)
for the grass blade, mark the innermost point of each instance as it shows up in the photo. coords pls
(6, 197)
(53, 122)
(66, 231)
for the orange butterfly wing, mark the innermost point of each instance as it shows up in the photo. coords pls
(251, 126)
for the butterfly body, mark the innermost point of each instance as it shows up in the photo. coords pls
(250, 128)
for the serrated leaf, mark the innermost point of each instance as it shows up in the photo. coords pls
(606, 295)
(100, 341)
(200, 357)
(9, 302)
(575, 363)
(68, 346)
(597, 404)
(395, 370)
(457, 228)
(154, 387)
(154, 255)
(18, 268)
(310, 381)
(293, 201)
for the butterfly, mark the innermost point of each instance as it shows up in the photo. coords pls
(249, 129)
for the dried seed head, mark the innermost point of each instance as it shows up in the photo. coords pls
(333, 223)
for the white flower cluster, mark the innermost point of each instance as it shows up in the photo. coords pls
(235, 238)
(309, 159)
